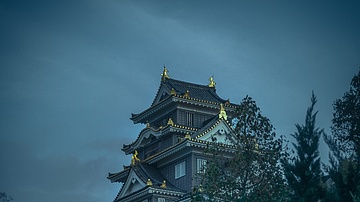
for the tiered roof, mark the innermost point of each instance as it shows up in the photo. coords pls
(170, 92)
(194, 140)
(193, 132)
(151, 181)
(197, 91)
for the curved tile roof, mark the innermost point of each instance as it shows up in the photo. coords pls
(144, 171)
(198, 94)
(202, 92)
(145, 133)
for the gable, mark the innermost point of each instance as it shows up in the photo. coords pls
(163, 93)
(133, 183)
(145, 137)
(220, 132)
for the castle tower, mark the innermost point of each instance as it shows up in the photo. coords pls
(168, 152)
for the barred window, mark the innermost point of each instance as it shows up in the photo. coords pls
(200, 165)
(189, 119)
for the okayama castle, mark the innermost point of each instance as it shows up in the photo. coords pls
(169, 152)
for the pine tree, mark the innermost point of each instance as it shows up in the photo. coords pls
(303, 172)
(344, 144)
(252, 172)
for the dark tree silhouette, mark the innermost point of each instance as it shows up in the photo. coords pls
(344, 144)
(303, 172)
(251, 172)
(4, 197)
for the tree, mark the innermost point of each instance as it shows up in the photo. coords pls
(4, 197)
(344, 144)
(251, 172)
(303, 172)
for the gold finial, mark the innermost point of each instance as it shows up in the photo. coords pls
(170, 122)
(147, 124)
(227, 102)
(222, 113)
(165, 75)
(134, 158)
(212, 83)
(187, 136)
(149, 183)
(187, 94)
(163, 185)
(173, 92)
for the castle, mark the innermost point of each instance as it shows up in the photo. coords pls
(169, 152)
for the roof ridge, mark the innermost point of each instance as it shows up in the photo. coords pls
(168, 82)
(187, 82)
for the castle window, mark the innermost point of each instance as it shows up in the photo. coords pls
(189, 119)
(161, 200)
(200, 165)
(179, 170)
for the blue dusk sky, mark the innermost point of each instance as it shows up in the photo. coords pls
(72, 72)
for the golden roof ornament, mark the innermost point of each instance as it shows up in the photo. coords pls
(134, 158)
(170, 122)
(172, 92)
(147, 124)
(165, 75)
(187, 136)
(222, 113)
(212, 83)
(149, 183)
(163, 185)
(227, 102)
(187, 94)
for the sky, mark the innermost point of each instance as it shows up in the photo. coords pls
(72, 72)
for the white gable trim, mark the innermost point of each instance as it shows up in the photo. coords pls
(162, 91)
(220, 132)
(144, 135)
(132, 184)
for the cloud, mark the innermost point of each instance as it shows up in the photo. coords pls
(27, 177)
(73, 72)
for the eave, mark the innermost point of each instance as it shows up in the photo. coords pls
(183, 144)
(140, 173)
(148, 190)
(119, 176)
(157, 133)
(142, 117)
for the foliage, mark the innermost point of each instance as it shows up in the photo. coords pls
(250, 169)
(4, 197)
(344, 144)
(346, 121)
(303, 172)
